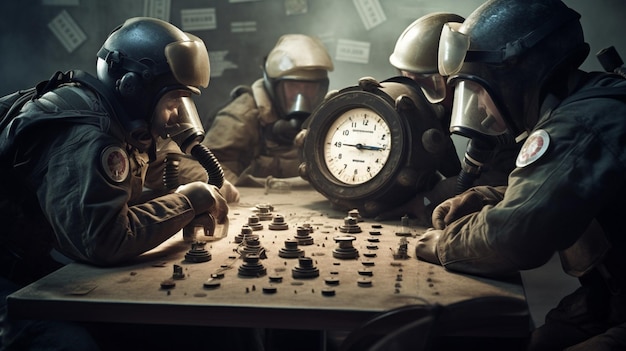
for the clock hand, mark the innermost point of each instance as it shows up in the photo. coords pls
(365, 147)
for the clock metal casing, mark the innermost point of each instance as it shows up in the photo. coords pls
(373, 145)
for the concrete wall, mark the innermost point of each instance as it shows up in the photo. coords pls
(244, 31)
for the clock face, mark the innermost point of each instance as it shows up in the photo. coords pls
(357, 146)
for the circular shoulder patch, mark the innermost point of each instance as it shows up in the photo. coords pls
(115, 163)
(534, 147)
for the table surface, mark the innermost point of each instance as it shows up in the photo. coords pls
(353, 269)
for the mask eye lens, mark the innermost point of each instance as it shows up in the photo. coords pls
(453, 46)
(300, 96)
(474, 110)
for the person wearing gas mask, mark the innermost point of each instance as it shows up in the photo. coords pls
(485, 161)
(514, 66)
(253, 135)
(415, 57)
(76, 159)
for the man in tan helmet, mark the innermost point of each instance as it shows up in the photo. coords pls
(415, 56)
(252, 136)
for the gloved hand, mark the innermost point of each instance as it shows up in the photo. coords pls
(426, 247)
(455, 208)
(205, 198)
(230, 192)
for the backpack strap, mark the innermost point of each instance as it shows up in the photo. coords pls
(616, 92)
(609, 92)
(66, 98)
(11, 104)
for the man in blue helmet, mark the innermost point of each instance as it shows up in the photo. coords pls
(514, 68)
(485, 162)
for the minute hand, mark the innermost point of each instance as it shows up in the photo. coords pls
(366, 147)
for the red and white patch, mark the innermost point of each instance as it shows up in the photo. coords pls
(534, 147)
(115, 163)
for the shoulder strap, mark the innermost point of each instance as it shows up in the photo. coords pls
(609, 92)
(66, 97)
(615, 92)
(12, 103)
(113, 105)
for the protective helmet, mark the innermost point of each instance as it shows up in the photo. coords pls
(502, 59)
(295, 74)
(145, 58)
(415, 53)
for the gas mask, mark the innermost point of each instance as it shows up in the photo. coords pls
(176, 117)
(296, 99)
(474, 113)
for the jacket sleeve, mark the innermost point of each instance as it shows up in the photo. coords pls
(89, 212)
(549, 203)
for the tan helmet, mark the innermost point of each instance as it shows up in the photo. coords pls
(417, 47)
(298, 56)
(295, 74)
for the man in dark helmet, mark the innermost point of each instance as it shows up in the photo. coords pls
(514, 68)
(76, 158)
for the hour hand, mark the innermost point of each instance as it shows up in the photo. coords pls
(365, 147)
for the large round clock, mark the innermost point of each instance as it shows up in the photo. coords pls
(373, 146)
(357, 146)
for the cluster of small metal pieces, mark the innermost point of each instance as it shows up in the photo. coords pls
(177, 274)
(305, 269)
(264, 211)
(345, 249)
(254, 222)
(245, 233)
(252, 253)
(404, 227)
(252, 246)
(402, 253)
(198, 253)
(291, 249)
(303, 235)
(350, 225)
(278, 223)
(252, 267)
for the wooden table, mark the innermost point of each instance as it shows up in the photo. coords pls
(362, 269)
